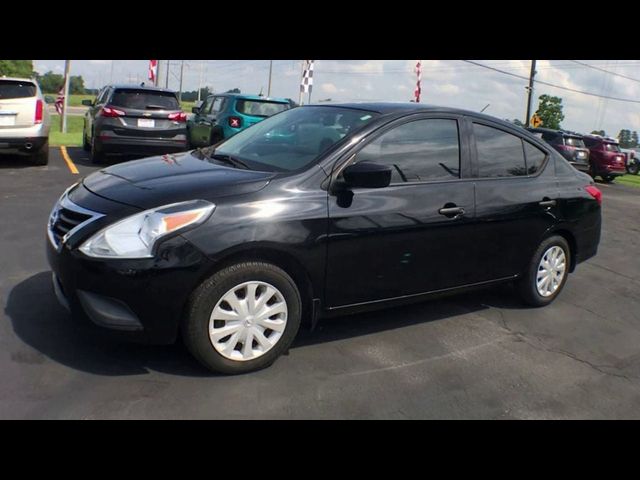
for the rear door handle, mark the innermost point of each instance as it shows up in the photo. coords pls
(547, 203)
(451, 212)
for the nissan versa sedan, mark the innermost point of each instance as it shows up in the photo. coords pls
(317, 211)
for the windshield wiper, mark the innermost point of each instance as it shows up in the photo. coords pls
(230, 160)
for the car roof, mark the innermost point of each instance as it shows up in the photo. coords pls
(137, 86)
(565, 133)
(601, 138)
(18, 79)
(251, 97)
(385, 108)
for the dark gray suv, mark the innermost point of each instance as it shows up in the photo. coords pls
(134, 120)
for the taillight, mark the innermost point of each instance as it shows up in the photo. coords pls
(111, 112)
(595, 193)
(178, 117)
(39, 111)
(235, 122)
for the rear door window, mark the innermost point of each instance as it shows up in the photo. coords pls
(534, 158)
(500, 154)
(144, 100)
(16, 89)
(574, 142)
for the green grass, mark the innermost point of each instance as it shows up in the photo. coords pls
(76, 101)
(73, 137)
(632, 180)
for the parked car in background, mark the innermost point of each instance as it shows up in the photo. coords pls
(223, 115)
(319, 210)
(24, 120)
(134, 120)
(632, 161)
(568, 144)
(605, 157)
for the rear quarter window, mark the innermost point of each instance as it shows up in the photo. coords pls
(16, 89)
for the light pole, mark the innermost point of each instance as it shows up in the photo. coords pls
(270, 71)
(530, 88)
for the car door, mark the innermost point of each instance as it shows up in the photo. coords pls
(516, 195)
(200, 131)
(417, 234)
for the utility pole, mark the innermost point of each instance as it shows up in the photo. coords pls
(301, 74)
(181, 72)
(111, 75)
(63, 124)
(158, 74)
(166, 80)
(200, 82)
(530, 89)
(270, 71)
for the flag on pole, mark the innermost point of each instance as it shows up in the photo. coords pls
(418, 89)
(153, 70)
(60, 100)
(306, 84)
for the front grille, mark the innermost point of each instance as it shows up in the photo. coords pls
(66, 218)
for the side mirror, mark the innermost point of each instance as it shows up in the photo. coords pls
(88, 103)
(367, 175)
(49, 99)
(195, 109)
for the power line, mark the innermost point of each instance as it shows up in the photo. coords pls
(606, 71)
(628, 100)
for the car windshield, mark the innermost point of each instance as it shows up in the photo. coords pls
(574, 142)
(260, 108)
(145, 100)
(611, 147)
(293, 139)
(16, 89)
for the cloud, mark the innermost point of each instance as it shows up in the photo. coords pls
(328, 88)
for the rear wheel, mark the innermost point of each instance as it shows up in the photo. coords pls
(608, 178)
(86, 146)
(546, 273)
(97, 155)
(42, 157)
(242, 318)
(633, 168)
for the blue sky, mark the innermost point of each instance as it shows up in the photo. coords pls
(444, 82)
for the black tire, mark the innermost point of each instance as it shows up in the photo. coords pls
(633, 168)
(97, 156)
(216, 137)
(86, 146)
(195, 327)
(526, 285)
(42, 157)
(608, 178)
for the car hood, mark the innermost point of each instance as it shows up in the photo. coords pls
(165, 179)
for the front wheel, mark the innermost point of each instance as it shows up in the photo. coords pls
(546, 273)
(86, 146)
(608, 178)
(97, 156)
(633, 168)
(242, 318)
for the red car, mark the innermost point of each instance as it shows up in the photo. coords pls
(605, 157)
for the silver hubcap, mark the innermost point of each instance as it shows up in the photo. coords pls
(248, 321)
(551, 271)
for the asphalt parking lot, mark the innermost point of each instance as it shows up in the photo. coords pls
(480, 355)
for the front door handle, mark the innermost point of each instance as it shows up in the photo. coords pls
(451, 212)
(547, 203)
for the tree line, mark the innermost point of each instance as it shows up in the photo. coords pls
(49, 82)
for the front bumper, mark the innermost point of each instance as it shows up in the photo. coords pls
(140, 300)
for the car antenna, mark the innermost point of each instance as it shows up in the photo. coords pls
(485, 108)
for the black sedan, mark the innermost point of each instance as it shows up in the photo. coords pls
(317, 211)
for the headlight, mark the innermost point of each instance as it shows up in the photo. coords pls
(135, 236)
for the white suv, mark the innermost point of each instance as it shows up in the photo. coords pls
(24, 120)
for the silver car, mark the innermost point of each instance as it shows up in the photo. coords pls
(24, 120)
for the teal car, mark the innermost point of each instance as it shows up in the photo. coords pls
(223, 115)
